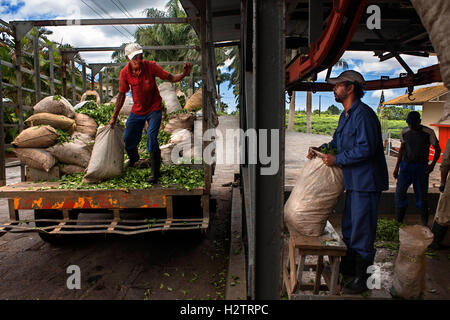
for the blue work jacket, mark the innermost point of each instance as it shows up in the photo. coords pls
(360, 149)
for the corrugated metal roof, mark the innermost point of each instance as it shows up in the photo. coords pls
(419, 96)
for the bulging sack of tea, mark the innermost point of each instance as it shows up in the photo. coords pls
(56, 121)
(55, 105)
(85, 124)
(36, 137)
(35, 158)
(107, 155)
(195, 102)
(71, 168)
(76, 152)
(169, 96)
(410, 265)
(313, 198)
(179, 121)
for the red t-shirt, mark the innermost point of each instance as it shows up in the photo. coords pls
(145, 92)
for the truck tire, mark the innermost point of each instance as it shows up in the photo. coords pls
(51, 214)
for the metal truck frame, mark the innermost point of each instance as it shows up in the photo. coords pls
(56, 210)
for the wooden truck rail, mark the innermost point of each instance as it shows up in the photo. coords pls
(61, 204)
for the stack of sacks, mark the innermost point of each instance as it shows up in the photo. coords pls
(179, 124)
(37, 145)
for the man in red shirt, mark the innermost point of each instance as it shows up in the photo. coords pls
(139, 74)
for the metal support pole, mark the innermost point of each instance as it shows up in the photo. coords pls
(2, 135)
(207, 96)
(269, 86)
(100, 86)
(92, 80)
(74, 83)
(37, 68)
(18, 48)
(63, 76)
(107, 87)
(191, 87)
(84, 77)
(52, 70)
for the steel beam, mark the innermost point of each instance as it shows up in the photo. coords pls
(269, 44)
(96, 22)
(423, 76)
(145, 48)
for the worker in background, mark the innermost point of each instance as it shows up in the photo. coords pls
(442, 217)
(360, 153)
(139, 75)
(412, 166)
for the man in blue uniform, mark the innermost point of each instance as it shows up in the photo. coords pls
(360, 153)
(412, 162)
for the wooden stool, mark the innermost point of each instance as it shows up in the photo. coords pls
(329, 244)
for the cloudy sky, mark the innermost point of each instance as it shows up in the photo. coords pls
(96, 36)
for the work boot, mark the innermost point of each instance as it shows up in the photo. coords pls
(347, 265)
(359, 283)
(439, 234)
(424, 217)
(133, 157)
(155, 158)
(400, 214)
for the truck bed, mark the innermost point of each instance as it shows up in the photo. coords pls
(43, 196)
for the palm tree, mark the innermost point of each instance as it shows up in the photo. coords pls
(221, 77)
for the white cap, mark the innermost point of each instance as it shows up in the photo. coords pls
(132, 49)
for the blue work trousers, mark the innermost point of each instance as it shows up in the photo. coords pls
(415, 174)
(359, 222)
(133, 130)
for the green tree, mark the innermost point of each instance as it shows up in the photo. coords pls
(221, 78)
(333, 109)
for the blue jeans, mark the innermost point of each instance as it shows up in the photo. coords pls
(133, 130)
(415, 174)
(359, 222)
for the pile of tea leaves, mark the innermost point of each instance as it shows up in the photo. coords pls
(101, 113)
(132, 178)
(387, 235)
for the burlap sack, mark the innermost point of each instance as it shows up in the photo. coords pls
(180, 136)
(409, 269)
(35, 158)
(36, 137)
(85, 124)
(107, 156)
(71, 168)
(166, 151)
(87, 139)
(313, 198)
(195, 102)
(90, 93)
(76, 152)
(169, 96)
(55, 105)
(56, 121)
(434, 15)
(180, 121)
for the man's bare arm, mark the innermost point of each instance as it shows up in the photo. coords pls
(399, 159)
(437, 154)
(180, 76)
(119, 105)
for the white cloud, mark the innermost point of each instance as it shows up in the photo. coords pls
(388, 94)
